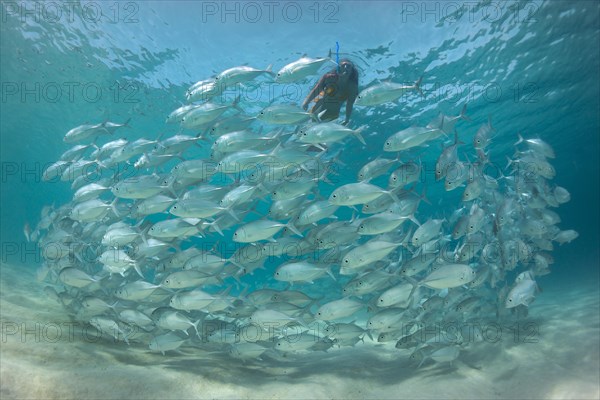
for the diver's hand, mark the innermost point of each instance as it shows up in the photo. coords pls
(305, 106)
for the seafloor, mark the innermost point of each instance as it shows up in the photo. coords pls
(39, 361)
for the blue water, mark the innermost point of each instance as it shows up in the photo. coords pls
(533, 67)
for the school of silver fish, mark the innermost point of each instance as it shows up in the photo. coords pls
(241, 238)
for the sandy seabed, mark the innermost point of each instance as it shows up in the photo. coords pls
(44, 357)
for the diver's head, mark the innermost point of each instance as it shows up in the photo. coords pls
(346, 67)
(347, 71)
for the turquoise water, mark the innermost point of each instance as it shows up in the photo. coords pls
(532, 67)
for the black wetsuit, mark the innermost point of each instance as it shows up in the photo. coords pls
(331, 91)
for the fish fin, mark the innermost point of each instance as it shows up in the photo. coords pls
(510, 162)
(412, 281)
(324, 178)
(491, 126)
(336, 159)
(463, 113)
(192, 221)
(418, 86)
(241, 270)
(358, 136)
(138, 270)
(328, 270)
(393, 195)
(521, 140)
(305, 168)
(232, 213)
(423, 196)
(236, 102)
(320, 115)
(143, 234)
(457, 141)
(202, 136)
(528, 300)
(291, 227)
(226, 291)
(27, 231)
(216, 227)
(195, 325)
(113, 207)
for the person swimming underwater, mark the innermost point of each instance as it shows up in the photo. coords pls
(335, 87)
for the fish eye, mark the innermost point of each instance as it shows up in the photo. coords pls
(346, 261)
(277, 273)
(381, 300)
(334, 195)
(319, 314)
(278, 74)
(167, 281)
(262, 113)
(359, 96)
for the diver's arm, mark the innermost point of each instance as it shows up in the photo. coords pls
(314, 92)
(349, 105)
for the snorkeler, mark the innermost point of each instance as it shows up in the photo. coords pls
(335, 87)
